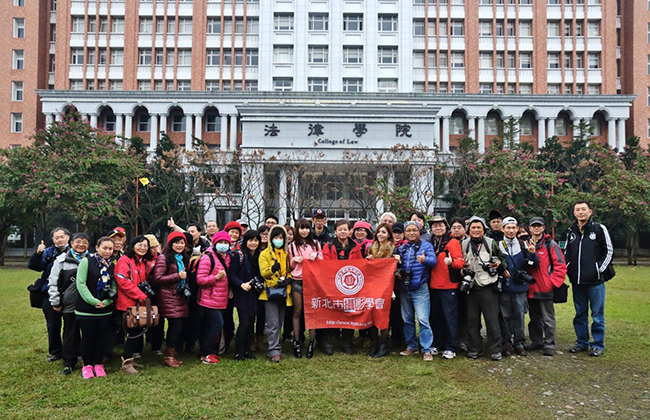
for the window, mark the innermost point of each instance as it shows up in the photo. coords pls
(77, 56)
(171, 26)
(184, 85)
(498, 28)
(443, 59)
(16, 122)
(457, 59)
(485, 60)
(144, 85)
(579, 89)
(457, 28)
(252, 58)
(239, 26)
(143, 122)
(579, 60)
(553, 60)
(19, 27)
(553, 28)
(19, 3)
(90, 58)
(77, 24)
(352, 85)
(456, 125)
(525, 28)
(103, 25)
(491, 126)
(212, 85)
(595, 127)
(17, 91)
(485, 28)
(510, 28)
(283, 54)
(283, 22)
(116, 85)
(525, 61)
(553, 89)
(458, 87)
(593, 28)
(185, 26)
(317, 54)
(419, 59)
(213, 122)
(568, 60)
(178, 122)
(317, 84)
(102, 56)
(485, 88)
(352, 55)
(92, 25)
(227, 57)
(117, 25)
(117, 56)
(252, 26)
(109, 122)
(352, 23)
(525, 88)
(526, 126)
(387, 85)
(169, 85)
(442, 28)
(239, 57)
(579, 28)
(567, 28)
(146, 25)
(214, 26)
(593, 60)
(159, 56)
(212, 57)
(499, 59)
(160, 25)
(251, 86)
(593, 90)
(387, 55)
(318, 21)
(387, 23)
(418, 27)
(145, 57)
(500, 88)
(184, 57)
(560, 127)
(282, 84)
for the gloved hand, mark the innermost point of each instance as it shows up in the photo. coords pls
(275, 267)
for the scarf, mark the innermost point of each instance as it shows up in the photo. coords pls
(343, 253)
(77, 256)
(104, 277)
(181, 267)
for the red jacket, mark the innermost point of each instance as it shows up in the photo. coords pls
(128, 274)
(543, 288)
(329, 251)
(213, 293)
(171, 302)
(440, 272)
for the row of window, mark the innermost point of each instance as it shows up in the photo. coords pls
(489, 60)
(549, 2)
(211, 122)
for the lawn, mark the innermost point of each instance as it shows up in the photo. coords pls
(617, 385)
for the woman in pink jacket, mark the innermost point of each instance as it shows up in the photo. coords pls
(303, 248)
(213, 293)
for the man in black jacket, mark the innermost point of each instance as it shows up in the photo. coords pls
(588, 254)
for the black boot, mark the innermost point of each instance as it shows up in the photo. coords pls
(310, 350)
(374, 349)
(382, 351)
(297, 349)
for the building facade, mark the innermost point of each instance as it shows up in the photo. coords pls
(199, 68)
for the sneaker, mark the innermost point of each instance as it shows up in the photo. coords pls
(577, 349)
(247, 355)
(463, 347)
(210, 359)
(276, 358)
(595, 352)
(407, 352)
(496, 356)
(158, 353)
(99, 371)
(448, 354)
(548, 352)
(66, 371)
(427, 356)
(87, 372)
(240, 357)
(434, 351)
(472, 355)
(54, 358)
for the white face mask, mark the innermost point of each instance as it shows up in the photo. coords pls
(278, 243)
(222, 248)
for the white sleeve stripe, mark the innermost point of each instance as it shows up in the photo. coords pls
(610, 250)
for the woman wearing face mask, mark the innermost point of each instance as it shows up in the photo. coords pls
(303, 248)
(244, 267)
(213, 293)
(94, 305)
(341, 248)
(131, 270)
(274, 267)
(170, 276)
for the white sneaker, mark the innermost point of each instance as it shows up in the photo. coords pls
(434, 351)
(448, 354)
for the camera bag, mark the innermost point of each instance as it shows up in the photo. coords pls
(140, 317)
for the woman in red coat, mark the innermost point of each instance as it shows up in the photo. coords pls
(170, 276)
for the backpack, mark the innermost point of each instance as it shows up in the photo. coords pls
(192, 269)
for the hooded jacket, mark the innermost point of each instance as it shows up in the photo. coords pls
(62, 286)
(551, 271)
(129, 272)
(213, 293)
(268, 258)
(588, 253)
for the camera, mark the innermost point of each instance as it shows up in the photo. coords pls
(145, 287)
(466, 281)
(107, 293)
(408, 276)
(400, 273)
(257, 284)
(500, 281)
(524, 277)
(486, 266)
(185, 290)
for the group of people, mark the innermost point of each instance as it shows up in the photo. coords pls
(447, 277)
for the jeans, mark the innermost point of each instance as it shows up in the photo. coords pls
(584, 298)
(444, 318)
(212, 323)
(245, 330)
(513, 308)
(483, 300)
(94, 330)
(53, 322)
(175, 333)
(417, 303)
(541, 327)
(274, 320)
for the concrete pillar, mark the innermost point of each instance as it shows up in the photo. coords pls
(93, 119)
(551, 127)
(481, 134)
(541, 133)
(49, 119)
(471, 127)
(153, 136)
(198, 126)
(59, 117)
(445, 134)
(233, 132)
(224, 132)
(611, 132)
(621, 134)
(163, 125)
(119, 127)
(128, 126)
(515, 135)
(189, 119)
(283, 197)
(436, 132)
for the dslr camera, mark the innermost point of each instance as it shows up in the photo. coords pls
(257, 284)
(107, 293)
(524, 277)
(146, 288)
(466, 281)
(486, 266)
(185, 290)
(404, 275)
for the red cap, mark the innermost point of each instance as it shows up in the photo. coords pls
(175, 235)
(117, 231)
(233, 225)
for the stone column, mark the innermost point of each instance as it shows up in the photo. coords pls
(163, 125)
(198, 126)
(541, 133)
(611, 132)
(481, 134)
(445, 134)
(119, 125)
(283, 196)
(93, 119)
(128, 126)
(188, 131)
(436, 132)
(49, 119)
(471, 127)
(517, 127)
(621, 134)
(153, 134)
(224, 132)
(551, 127)
(233, 132)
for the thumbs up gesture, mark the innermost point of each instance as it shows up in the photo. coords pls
(421, 258)
(41, 248)
(182, 274)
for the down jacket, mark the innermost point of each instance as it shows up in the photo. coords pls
(128, 274)
(171, 302)
(551, 271)
(420, 272)
(213, 293)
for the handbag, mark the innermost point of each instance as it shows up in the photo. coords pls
(36, 293)
(140, 317)
(561, 294)
(276, 294)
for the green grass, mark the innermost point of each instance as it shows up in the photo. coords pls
(616, 385)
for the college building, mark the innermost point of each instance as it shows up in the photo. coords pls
(329, 82)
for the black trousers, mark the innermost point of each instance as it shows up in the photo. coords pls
(156, 335)
(93, 338)
(245, 331)
(53, 322)
(192, 329)
(228, 323)
(133, 345)
(115, 333)
(260, 318)
(483, 300)
(175, 332)
(71, 340)
(396, 323)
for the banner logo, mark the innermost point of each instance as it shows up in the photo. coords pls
(349, 280)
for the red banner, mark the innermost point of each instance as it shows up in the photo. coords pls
(352, 294)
